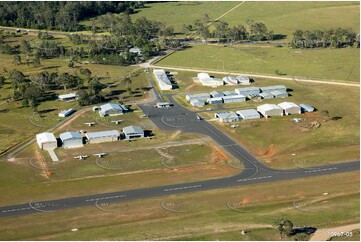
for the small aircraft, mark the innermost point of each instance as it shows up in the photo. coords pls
(234, 125)
(90, 123)
(117, 121)
(199, 117)
(100, 155)
(81, 157)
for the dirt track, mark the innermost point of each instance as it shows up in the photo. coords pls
(324, 234)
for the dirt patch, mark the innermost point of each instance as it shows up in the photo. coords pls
(270, 151)
(218, 155)
(42, 163)
(175, 134)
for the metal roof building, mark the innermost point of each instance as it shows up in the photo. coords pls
(216, 94)
(248, 91)
(281, 88)
(215, 100)
(102, 136)
(197, 102)
(133, 132)
(234, 99)
(206, 80)
(111, 109)
(279, 94)
(268, 110)
(65, 113)
(199, 96)
(266, 95)
(162, 79)
(290, 107)
(68, 97)
(71, 139)
(46, 141)
(229, 93)
(230, 80)
(243, 80)
(248, 114)
(306, 108)
(227, 117)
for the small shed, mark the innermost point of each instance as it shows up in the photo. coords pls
(248, 114)
(215, 100)
(65, 113)
(229, 93)
(216, 94)
(290, 108)
(71, 139)
(133, 132)
(234, 99)
(248, 91)
(227, 117)
(197, 102)
(268, 110)
(46, 141)
(68, 97)
(279, 94)
(102, 136)
(266, 95)
(306, 108)
(243, 80)
(112, 109)
(230, 80)
(280, 88)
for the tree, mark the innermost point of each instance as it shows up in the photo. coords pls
(71, 64)
(25, 102)
(36, 61)
(301, 237)
(17, 59)
(127, 81)
(283, 226)
(2, 81)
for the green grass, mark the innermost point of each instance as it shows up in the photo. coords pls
(331, 64)
(205, 216)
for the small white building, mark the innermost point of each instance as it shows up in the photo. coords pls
(132, 131)
(230, 80)
(71, 140)
(162, 79)
(248, 91)
(216, 94)
(279, 94)
(46, 141)
(266, 95)
(112, 109)
(280, 88)
(65, 113)
(102, 136)
(290, 108)
(229, 93)
(269, 110)
(234, 99)
(227, 117)
(243, 80)
(206, 80)
(197, 102)
(306, 108)
(68, 97)
(215, 100)
(248, 114)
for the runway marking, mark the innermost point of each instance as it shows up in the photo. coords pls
(103, 198)
(256, 178)
(180, 188)
(12, 210)
(318, 170)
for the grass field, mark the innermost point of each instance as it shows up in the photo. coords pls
(204, 216)
(331, 64)
(297, 15)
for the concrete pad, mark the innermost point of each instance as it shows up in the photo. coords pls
(52, 154)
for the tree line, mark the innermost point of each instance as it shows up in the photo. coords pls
(335, 38)
(58, 15)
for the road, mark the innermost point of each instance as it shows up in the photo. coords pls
(180, 118)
